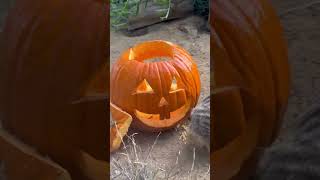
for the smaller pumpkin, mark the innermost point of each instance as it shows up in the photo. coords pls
(119, 124)
(156, 82)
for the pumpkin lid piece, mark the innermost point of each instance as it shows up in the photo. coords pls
(156, 82)
(119, 124)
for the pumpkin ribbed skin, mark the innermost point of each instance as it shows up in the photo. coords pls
(55, 56)
(133, 69)
(249, 52)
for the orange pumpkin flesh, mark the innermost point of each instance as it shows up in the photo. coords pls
(249, 52)
(119, 128)
(157, 94)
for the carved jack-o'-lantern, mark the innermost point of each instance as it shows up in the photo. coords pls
(158, 94)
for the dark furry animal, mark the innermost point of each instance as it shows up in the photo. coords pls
(200, 124)
(297, 157)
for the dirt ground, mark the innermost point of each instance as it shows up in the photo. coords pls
(187, 34)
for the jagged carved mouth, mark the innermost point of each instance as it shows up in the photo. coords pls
(155, 120)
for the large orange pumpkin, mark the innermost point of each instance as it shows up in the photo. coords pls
(55, 90)
(157, 94)
(248, 52)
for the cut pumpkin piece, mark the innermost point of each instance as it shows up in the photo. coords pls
(120, 122)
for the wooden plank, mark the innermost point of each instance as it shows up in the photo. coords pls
(153, 13)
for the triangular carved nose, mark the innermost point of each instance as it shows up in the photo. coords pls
(163, 102)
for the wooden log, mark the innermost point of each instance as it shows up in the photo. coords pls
(153, 13)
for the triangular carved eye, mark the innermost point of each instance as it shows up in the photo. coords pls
(131, 54)
(144, 87)
(174, 85)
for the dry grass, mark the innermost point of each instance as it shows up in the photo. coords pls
(134, 164)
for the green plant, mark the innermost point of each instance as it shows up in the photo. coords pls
(121, 10)
(201, 7)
